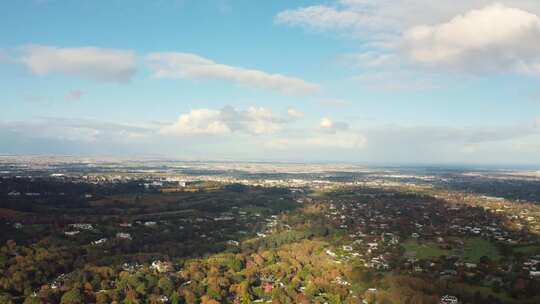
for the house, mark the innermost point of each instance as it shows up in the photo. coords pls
(534, 274)
(223, 218)
(470, 265)
(161, 267)
(100, 241)
(369, 295)
(82, 226)
(130, 267)
(330, 253)
(123, 235)
(339, 280)
(446, 299)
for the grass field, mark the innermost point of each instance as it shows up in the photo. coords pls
(475, 248)
(424, 250)
(527, 249)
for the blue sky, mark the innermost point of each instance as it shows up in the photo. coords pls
(347, 80)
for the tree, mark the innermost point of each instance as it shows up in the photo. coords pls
(28, 300)
(166, 285)
(141, 288)
(102, 298)
(189, 296)
(131, 297)
(175, 298)
(207, 300)
(5, 298)
(73, 296)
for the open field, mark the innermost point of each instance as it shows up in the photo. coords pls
(475, 248)
(424, 250)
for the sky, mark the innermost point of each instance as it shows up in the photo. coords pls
(386, 81)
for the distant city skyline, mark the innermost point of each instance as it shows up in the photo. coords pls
(384, 82)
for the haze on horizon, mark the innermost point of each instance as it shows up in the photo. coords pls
(390, 81)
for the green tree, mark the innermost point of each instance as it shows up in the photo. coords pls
(175, 298)
(102, 298)
(166, 285)
(5, 298)
(73, 296)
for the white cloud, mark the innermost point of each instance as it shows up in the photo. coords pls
(472, 36)
(495, 38)
(190, 66)
(198, 121)
(326, 124)
(254, 121)
(260, 121)
(380, 20)
(386, 17)
(294, 113)
(86, 62)
(322, 17)
(495, 144)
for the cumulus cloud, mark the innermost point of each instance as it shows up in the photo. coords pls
(326, 124)
(93, 63)
(495, 38)
(198, 121)
(294, 113)
(472, 36)
(385, 18)
(258, 120)
(254, 121)
(190, 66)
